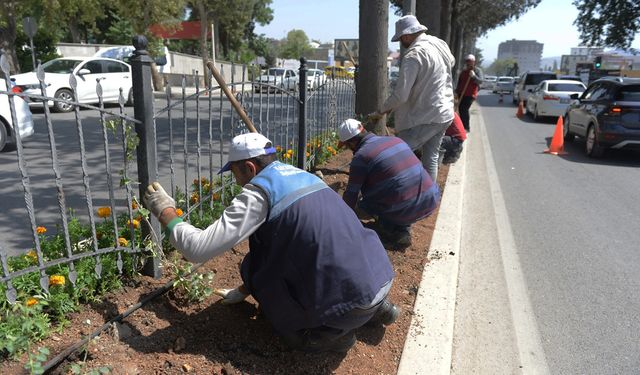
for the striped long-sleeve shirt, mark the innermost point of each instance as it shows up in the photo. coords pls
(393, 182)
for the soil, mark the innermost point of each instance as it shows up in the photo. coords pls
(169, 336)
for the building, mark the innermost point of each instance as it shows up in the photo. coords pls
(587, 51)
(568, 63)
(527, 53)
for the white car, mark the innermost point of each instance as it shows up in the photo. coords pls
(504, 85)
(315, 78)
(488, 82)
(113, 75)
(23, 116)
(552, 97)
(286, 79)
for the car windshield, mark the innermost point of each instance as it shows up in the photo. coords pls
(629, 93)
(276, 72)
(535, 79)
(62, 66)
(573, 87)
(505, 80)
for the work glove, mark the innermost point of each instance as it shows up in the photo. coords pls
(473, 74)
(156, 199)
(230, 296)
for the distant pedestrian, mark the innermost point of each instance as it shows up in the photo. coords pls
(422, 99)
(452, 141)
(467, 89)
(392, 183)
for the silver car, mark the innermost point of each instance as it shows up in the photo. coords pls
(23, 116)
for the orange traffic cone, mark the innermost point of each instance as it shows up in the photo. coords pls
(557, 142)
(520, 112)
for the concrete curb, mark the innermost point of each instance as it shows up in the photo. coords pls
(429, 344)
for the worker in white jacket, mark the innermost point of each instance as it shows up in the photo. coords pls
(423, 96)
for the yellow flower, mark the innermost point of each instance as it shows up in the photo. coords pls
(123, 241)
(136, 223)
(215, 197)
(134, 205)
(104, 212)
(41, 230)
(32, 254)
(56, 280)
(334, 152)
(194, 198)
(31, 301)
(204, 180)
(289, 151)
(287, 156)
(179, 211)
(308, 154)
(278, 148)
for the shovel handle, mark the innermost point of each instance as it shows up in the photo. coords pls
(234, 102)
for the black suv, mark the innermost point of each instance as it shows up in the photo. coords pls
(607, 114)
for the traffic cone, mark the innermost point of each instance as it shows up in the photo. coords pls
(520, 112)
(557, 142)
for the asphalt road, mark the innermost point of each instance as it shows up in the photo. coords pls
(179, 161)
(549, 268)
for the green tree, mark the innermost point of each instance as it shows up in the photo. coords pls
(295, 45)
(501, 67)
(612, 23)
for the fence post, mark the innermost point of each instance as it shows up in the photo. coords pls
(146, 151)
(302, 114)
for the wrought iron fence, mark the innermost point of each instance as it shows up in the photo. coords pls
(182, 145)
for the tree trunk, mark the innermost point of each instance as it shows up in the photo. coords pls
(204, 25)
(74, 31)
(428, 13)
(371, 84)
(445, 21)
(458, 41)
(8, 35)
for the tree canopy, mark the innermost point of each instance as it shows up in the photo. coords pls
(295, 45)
(611, 23)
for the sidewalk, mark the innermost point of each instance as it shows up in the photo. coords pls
(429, 343)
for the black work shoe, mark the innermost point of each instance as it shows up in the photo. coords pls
(396, 240)
(386, 314)
(341, 344)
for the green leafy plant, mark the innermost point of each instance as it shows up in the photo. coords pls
(195, 287)
(36, 360)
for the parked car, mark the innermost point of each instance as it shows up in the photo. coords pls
(113, 75)
(23, 116)
(315, 78)
(285, 79)
(570, 78)
(607, 114)
(552, 97)
(528, 81)
(488, 82)
(504, 85)
(338, 72)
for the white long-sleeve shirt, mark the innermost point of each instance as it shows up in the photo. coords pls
(424, 90)
(246, 213)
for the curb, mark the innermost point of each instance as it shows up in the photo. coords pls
(429, 343)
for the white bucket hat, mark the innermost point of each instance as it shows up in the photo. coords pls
(407, 25)
(349, 129)
(469, 57)
(247, 146)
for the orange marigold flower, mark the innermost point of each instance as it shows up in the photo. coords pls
(334, 152)
(134, 205)
(104, 212)
(308, 154)
(41, 230)
(195, 181)
(308, 145)
(287, 156)
(56, 280)
(32, 254)
(278, 148)
(289, 151)
(136, 223)
(123, 241)
(179, 211)
(215, 197)
(204, 180)
(31, 302)
(194, 198)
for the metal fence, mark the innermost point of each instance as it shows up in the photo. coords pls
(111, 152)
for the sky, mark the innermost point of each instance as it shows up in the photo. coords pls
(550, 23)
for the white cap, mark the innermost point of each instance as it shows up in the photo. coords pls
(247, 146)
(407, 25)
(349, 129)
(469, 57)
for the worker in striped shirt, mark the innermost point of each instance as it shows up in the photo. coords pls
(394, 186)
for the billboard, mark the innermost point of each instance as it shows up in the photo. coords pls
(346, 50)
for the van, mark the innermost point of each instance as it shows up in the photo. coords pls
(529, 81)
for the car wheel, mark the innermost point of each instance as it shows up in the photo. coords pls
(3, 135)
(568, 137)
(63, 94)
(592, 147)
(129, 98)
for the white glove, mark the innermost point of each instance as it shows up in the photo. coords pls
(473, 74)
(156, 199)
(230, 296)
